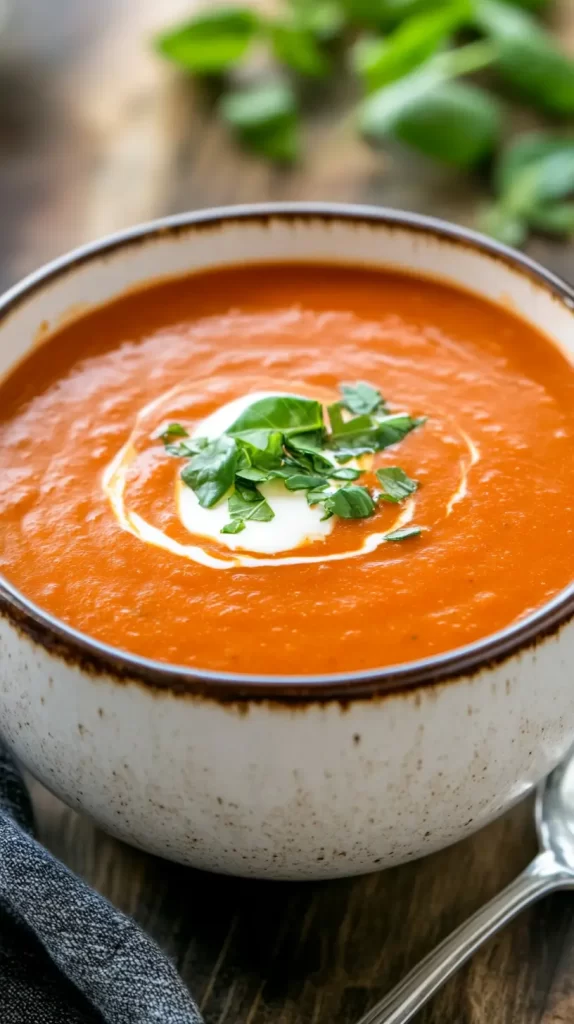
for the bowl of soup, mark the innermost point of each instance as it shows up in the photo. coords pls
(286, 535)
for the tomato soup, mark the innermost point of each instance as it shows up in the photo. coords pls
(289, 469)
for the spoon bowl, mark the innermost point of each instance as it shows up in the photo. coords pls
(551, 870)
(555, 814)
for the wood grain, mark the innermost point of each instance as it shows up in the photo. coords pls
(99, 134)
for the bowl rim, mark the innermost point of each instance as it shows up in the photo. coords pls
(97, 658)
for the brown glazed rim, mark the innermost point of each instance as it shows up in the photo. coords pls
(97, 658)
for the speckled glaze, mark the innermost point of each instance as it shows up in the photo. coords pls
(286, 777)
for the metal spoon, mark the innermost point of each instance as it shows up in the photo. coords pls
(551, 870)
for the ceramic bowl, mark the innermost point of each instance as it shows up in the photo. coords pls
(288, 777)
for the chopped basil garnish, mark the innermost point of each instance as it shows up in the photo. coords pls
(244, 505)
(362, 398)
(404, 533)
(284, 413)
(351, 502)
(396, 484)
(304, 482)
(211, 472)
(173, 430)
(185, 449)
(345, 473)
(284, 437)
(235, 526)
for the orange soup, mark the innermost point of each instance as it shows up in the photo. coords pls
(289, 469)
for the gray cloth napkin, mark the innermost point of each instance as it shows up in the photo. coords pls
(67, 956)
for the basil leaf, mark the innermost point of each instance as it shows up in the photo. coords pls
(345, 474)
(235, 526)
(456, 123)
(284, 413)
(359, 426)
(173, 430)
(393, 429)
(317, 496)
(380, 62)
(210, 473)
(387, 13)
(296, 47)
(247, 491)
(553, 220)
(325, 19)
(185, 449)
(304, 449)
(528, 57)
(350, 502)
(404, 533)
(502, 224)
(396, 484)
(363, 434)
(212, 41)
(263, 448)
(383, 111)
(362, 398)
(257, 476)
(536, 169)
(336, 417)
(305, 482)
(257, 510)
(265, 118)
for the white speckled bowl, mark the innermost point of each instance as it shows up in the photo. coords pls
(286, 777)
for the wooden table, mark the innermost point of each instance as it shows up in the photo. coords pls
(98, 134)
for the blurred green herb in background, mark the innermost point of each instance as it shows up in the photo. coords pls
(412, 59)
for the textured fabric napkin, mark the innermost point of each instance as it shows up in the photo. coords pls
(67, 956)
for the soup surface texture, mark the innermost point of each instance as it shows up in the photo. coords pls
(97, 527)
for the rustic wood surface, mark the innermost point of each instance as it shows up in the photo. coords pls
(95, 134)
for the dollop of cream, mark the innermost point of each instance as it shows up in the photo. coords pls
(294, 528)
(295, 523)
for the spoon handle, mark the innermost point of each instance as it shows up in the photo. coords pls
(542, 876)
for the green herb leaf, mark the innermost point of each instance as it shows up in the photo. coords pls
(396, 484)
(350, 502)
(305, 450)
(210, 473)
(528, 57)
(305, 482)
(235, 526)
(404, 533)
(296, 47)
(362, 398)
(265, 118)
(287, 414)
(255, 509)
(502, 224)
(381, 61)
(535, 169)
(393, 429)
(187, 448)
(173, 430)
(325, 19)
(345, 474)
(365, 434)
(211, 42)
(359, 427)
(382, 113)
(455, 123)
(533, 174)
(317, 496)
(257, 476)
(553, 220)
(263, 448)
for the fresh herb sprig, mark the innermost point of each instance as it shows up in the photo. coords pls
(286, 438)
(412, 59)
